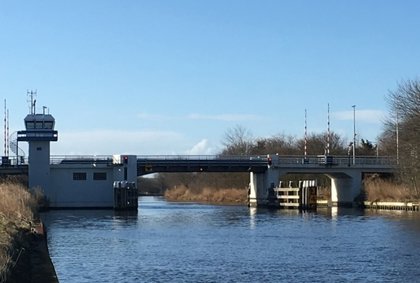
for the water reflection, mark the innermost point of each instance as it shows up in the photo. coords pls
(252, 215)
(184, 242)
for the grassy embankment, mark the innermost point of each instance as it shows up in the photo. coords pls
(17, 213)
(374, 190)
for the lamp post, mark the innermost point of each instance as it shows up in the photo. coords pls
(354, 134)
(397, 139)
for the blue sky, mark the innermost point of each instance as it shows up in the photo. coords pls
(171, 77)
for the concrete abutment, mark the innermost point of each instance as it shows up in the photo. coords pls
(345, 186)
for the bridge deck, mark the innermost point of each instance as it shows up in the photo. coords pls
(147, 164)
(202, 163)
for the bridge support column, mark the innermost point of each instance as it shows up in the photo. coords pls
(254, 194)
(345, 188)
(259, 185)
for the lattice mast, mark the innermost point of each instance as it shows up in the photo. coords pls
(31, 96)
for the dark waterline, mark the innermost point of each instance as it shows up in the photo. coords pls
(183, 242)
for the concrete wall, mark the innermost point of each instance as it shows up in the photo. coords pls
(39, 165)
(66, 192)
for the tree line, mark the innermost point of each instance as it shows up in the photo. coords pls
(239, 141)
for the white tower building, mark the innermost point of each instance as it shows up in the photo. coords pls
(80, 181)
(39, 133)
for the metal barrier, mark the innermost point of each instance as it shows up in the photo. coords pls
(336, 160)
(299, 160)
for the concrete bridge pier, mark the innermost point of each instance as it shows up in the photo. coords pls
(345, 188)
(260, 183)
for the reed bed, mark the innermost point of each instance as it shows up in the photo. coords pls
(207, 194)
(382, 190)
(17, 210)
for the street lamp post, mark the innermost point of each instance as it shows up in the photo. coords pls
(397, 137)
(354, 134)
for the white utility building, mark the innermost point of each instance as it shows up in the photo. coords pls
(75, 181)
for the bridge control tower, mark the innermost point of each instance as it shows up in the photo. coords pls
(39, 132)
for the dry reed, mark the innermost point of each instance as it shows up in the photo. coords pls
(206, 194)
(17, 208)
(381, 190)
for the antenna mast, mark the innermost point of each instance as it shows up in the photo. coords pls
(32, 101)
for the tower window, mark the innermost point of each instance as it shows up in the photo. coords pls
(39, 148)
(48, 125)
(99, 176)
(38, 125)
(30, 125)
(79, 176)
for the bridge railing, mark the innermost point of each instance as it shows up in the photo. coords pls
(202, 157)
(336, 160)
(60, 159)
(297, 160)
(63, 159)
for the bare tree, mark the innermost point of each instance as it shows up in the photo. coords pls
(316, 144)
(237, 141)
(366, 148)
(404, 128)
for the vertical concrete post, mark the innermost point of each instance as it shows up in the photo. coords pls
(345, 188)
(255, 185)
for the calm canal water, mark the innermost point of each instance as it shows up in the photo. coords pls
(179, 242)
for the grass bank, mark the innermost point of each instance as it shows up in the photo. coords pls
(17, 214)
(207, 194)
(374, 190)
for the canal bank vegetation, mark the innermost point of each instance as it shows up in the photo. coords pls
(17, 213)
(226, 188)
(208, 195)
(382, 190)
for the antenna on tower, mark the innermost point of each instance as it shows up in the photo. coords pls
(31, 101)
